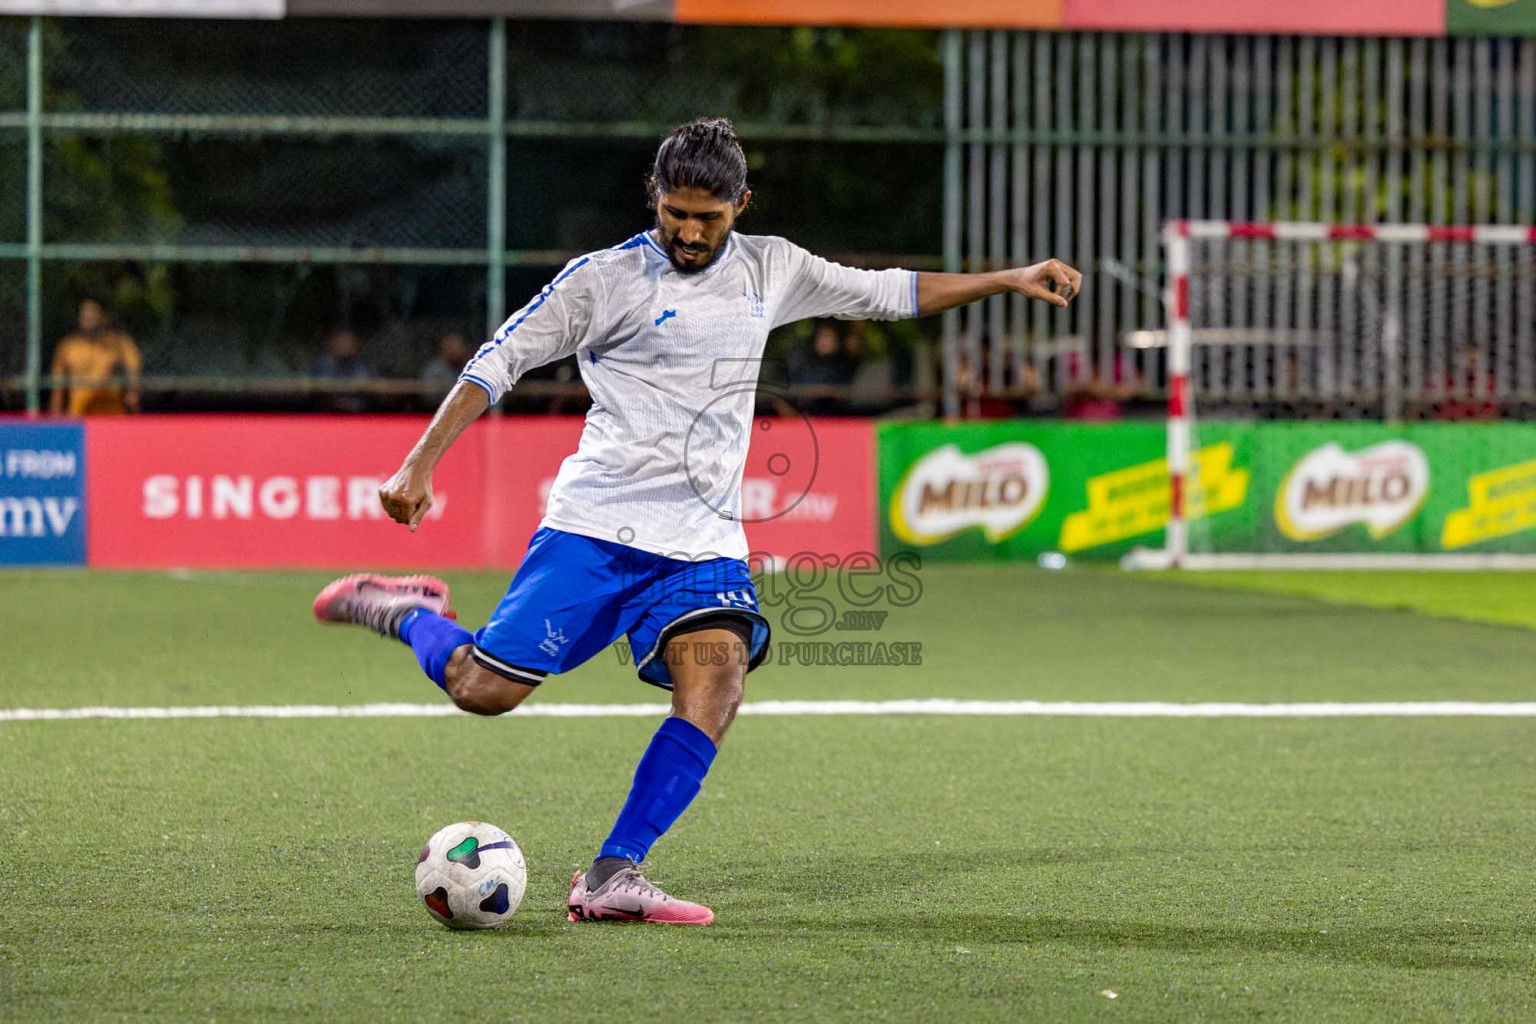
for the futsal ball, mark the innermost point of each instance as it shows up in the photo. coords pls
(471, 875)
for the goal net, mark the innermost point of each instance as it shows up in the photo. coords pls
(1348, 396)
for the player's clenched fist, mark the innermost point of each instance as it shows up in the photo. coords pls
(407, 496)
(1052, 281)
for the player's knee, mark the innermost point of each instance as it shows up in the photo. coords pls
(480, 696)
(730, 684)
(480, 691)
(720, 686)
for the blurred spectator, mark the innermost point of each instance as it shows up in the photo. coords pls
(453, 352)
(341, 359)
(823, 359)
(98, 367)
(983, 398)
(823, 363)
(873, 378)
(1099, 392)
(1471, 389)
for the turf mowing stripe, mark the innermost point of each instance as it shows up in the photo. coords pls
(988, 708)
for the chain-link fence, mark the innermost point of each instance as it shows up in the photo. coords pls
(416, 69)
(1080, 145)
(13, 193)
(1362, 329)
(13, 311)
(234, 192)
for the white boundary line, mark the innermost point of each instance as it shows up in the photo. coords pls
(984, 708)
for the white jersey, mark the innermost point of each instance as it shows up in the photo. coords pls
(671, 361)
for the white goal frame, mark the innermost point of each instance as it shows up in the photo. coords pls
(1177, 236)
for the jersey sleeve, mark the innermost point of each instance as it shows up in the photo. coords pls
(551, 326)
(818, 287)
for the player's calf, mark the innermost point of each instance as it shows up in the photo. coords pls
(477, 689)
(708, 679)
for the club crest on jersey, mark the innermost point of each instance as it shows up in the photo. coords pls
(754, 303)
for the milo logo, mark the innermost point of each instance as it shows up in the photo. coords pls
(999, 490)
(1382, 487)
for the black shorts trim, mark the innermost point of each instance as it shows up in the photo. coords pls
(709, 618)
(718, 620)
(491, 663)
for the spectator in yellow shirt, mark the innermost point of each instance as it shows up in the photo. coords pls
(97, 366)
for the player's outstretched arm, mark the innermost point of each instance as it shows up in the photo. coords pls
(1052, 281)
(407, 495)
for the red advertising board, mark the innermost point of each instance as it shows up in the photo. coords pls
(301, 491)
(1310, 17)
(810, 487)
(249, 491)
(523, 454)
(903, 13)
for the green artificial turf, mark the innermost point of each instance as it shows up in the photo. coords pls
(862, 868)
(1505, 597)
(79, 638)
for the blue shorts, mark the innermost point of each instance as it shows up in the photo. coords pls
(575, 595)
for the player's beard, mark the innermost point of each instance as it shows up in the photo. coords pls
(674, 247)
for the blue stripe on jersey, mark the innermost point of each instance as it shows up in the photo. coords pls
(547, 291)
(633, 242)
(646, 237)
(490, 392)
(914, 294)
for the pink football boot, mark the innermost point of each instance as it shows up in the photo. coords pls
(627, 896)
(380, 602)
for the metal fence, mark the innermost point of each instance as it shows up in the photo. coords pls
(444, 168)
(1399, 322)
(1080, 145)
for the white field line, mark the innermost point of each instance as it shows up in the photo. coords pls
(938, 706)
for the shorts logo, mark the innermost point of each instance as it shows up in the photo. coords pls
(554, 639)
(736, 599)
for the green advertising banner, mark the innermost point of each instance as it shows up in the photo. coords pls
(1490, 17)
(1365, 487)
(1019, 489)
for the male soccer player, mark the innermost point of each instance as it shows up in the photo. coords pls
(642, 533)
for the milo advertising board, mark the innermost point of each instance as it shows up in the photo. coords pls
(1363, 487)
(1018, 489)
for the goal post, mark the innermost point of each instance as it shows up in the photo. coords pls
(1333, 356)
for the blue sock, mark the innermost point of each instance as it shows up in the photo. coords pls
(666, 782)
(434, 639)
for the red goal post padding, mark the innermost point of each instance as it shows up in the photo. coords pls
(1177, 236)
